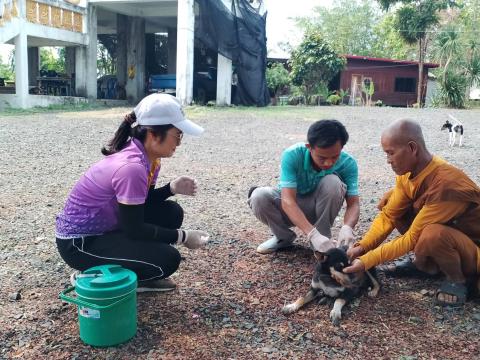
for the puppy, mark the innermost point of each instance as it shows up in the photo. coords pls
(330, 281)
(454, 128)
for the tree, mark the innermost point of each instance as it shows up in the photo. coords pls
(348, 25)
(471, 22)
(6, 70)
(107, 54)
(473, 67)
(456, 48)
(314, 62)
(413, 19)
(106, 64)
(389, 42)
(277, 78)
(52, 59)
(447, 47)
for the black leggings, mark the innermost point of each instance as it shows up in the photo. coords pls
(148, 259)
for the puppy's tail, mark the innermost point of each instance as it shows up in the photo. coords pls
(454, 119)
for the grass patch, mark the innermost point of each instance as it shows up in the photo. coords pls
(473, 104)
(82, 106)
(284, 111)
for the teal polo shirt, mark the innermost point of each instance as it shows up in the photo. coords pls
(297, 172)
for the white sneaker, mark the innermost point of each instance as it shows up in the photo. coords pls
(73, 277)
(273, 244)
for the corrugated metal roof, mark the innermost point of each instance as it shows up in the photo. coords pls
(390, 61)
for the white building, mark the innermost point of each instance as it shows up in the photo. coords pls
(30, 24)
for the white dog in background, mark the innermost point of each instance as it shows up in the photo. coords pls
(454, 128)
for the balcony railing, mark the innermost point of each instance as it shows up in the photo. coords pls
(8, 10)
(55, 14)
(52, 13)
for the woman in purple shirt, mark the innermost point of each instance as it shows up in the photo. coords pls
(114, 214)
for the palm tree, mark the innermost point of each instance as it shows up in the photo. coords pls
(414, 19)
(447, 48)
(460, 69)
(473, 65)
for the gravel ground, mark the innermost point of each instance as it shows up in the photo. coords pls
(229, 298)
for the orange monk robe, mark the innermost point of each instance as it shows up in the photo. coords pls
(440, 194)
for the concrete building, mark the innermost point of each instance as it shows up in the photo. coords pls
(30, 24)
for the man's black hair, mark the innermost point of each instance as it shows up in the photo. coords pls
(325, 133)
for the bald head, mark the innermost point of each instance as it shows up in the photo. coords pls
(404, 145)
(404, 131)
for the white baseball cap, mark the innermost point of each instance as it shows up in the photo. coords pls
(164, 109)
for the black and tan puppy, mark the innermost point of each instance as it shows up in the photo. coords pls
(330, 281)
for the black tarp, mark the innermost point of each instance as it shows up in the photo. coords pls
(239, 35)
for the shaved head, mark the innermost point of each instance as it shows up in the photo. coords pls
(404, 131)
(404, 145)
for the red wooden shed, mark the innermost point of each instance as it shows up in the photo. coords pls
(395, 81)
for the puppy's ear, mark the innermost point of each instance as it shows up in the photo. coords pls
(320, 256)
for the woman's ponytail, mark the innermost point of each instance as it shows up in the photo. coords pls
(121, 136)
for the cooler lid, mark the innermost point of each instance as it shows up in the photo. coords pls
(105, 281)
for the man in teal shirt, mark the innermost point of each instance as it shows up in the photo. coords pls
(315, 179)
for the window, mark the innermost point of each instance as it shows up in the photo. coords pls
(407, 85)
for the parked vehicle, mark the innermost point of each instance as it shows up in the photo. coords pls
(204, 85)
(162, 83)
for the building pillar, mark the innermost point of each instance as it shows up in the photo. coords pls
(33, 65)
(172, 51)
(224, 81)
(150, 60)
(70, 67)
(185, 46)
(81, 71)
(70, 61)
(21, 69)
(91, 53)
(135, 86)
(121, 55)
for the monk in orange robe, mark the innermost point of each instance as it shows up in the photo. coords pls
(436, 208)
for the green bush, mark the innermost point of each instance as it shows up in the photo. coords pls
(334, 99)
(277, 78)
(453, 89)
(314, 61)
(297, 95)
(436, 100)
(343, 94)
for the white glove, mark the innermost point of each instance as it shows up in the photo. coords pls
(319, 242)
(184, 185)
(345, 236)
(192, 239)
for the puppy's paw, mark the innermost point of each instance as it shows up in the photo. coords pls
(373, 292)
(323, 300)
(289, 309)
(335, 316)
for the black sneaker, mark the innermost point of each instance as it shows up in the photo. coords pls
(158, 285)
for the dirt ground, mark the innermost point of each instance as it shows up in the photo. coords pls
(229, 298)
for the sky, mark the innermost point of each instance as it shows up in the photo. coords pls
(280, 28)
